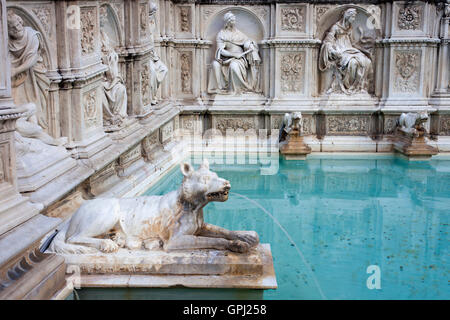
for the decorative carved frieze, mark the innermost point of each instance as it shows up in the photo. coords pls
(186, 71)
(291, 72)
(90, 108)
(103, 174)
(347, 125)
(390, 122)
(410, 18)
(407, 71)
(88, 18)
(292, 19)
(149, 143)
(244, 123)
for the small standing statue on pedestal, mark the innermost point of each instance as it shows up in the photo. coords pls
(410, 136)
(293, 148)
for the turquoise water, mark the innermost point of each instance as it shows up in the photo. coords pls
(328, 220)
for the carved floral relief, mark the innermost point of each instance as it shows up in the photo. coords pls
(407, 71)
(291, 72)
(347, 125)
(409, 18)
(88, 20)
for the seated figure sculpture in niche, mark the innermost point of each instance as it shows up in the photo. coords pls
(173, 221)
(158, 70)
(28, 80)
(235, 66)
(115, 92)
(351, 66)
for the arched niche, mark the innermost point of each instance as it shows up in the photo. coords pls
(366, 30)
(112, 26)
(30, 21)
(246, 21)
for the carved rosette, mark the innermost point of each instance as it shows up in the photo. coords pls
(88, 19)
(347, 125)
(410, 18)
(291, 72)
(186, 71)
(185, 19)
(90, 108)
(292, 19)
(407, 71)
(145, 85)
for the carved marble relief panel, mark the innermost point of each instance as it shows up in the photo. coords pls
(131, 156)
(167, 132)
(90, 109)
(184, 19)
(407, 71)
(245, 123)
(145, 84)
(347, 125)
(444, 125)
(410, 17)
(292, 72)
(88, 22)
(186, 62)
(293, 19)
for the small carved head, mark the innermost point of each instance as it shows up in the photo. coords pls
(230, 19)
(350, 15)
(422, 117)
(15, 25)
(203, 185)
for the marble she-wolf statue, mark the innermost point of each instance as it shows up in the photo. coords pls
(173, 221)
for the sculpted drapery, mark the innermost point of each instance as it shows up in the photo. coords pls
(351, 66)
(235, 68)
(115, 93)
(158, 70)
(29, 83)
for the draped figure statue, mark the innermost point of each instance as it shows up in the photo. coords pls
(158, 70)
(115, 93)
(28, 81)
(351, 66)
(235, 66)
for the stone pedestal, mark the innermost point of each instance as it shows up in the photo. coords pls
(414, 147)
(197, 268)
(295, 148)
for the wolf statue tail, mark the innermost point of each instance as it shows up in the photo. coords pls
(59, 245)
